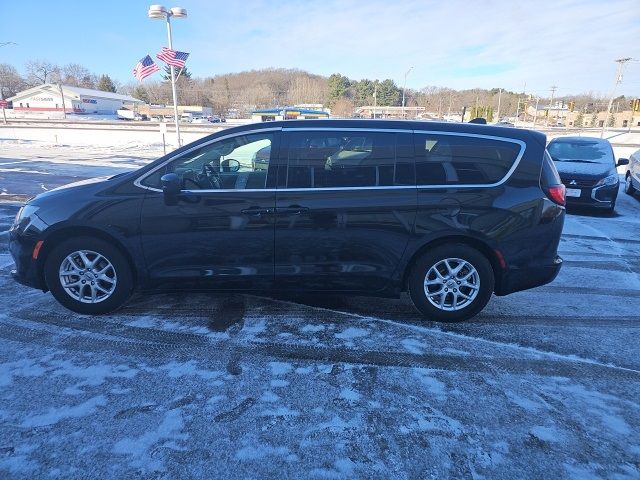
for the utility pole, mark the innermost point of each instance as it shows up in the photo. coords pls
(620, 62)
(449, 110)
(375, 100)
(499, 99)
(404, 88)
(64, 108)
(535, 118)
(550, 109)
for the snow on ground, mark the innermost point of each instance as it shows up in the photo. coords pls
(544, 383)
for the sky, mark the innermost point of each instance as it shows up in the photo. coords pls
(517, 45)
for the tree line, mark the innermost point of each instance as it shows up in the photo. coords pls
(239, 93)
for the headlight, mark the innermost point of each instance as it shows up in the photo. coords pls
(25, 212)
(608, 181)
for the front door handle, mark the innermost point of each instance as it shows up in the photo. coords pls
(292, 210)
(256, 211)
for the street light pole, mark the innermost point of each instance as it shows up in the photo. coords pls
(173, 84)
(160, 12)
(404, 88)
(620, 62)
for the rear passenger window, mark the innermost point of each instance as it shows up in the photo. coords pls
(462, 160)
(349, 159)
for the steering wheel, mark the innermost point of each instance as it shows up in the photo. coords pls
(210, 173)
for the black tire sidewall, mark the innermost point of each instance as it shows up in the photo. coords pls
(422, 265)
(631, 189)
(124, 285)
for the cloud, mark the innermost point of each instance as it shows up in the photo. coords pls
(457, 43)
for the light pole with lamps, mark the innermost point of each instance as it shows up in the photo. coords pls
(404, 88)
(159, 12)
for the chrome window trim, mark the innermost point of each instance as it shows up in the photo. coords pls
(350, 129)
(346, 129)
(175, 157)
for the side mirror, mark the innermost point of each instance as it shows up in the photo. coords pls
(229, 166)
(170, 184)
(622, 161)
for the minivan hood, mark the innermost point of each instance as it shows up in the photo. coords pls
(89, 183)
(584, 170)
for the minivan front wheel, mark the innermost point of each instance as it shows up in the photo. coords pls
(88, 275)
(451, 283)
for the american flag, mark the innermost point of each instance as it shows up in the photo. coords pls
(145, 67)
(172, 57)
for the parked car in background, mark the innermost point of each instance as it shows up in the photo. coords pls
(632, 175)
(451, 213)
(587, 168)
(504, 123)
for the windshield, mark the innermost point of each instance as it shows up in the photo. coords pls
(581, 151)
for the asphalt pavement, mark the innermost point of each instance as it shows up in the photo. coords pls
(544, 383)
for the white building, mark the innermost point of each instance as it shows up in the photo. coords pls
(48, 98)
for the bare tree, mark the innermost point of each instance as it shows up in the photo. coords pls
(343, 107)
(41, 71)
(10, 81)
(78, 76)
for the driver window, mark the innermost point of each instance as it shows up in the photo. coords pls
(236, 163)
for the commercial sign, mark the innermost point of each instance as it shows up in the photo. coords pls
(89, 100)
(4, 104)
(41, 99)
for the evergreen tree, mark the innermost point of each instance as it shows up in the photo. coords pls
(106, 84)
(364, 91)
(389, 94)
(338, 87)
(167, 73)
(141, 94)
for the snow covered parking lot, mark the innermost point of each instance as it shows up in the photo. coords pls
(544, 383)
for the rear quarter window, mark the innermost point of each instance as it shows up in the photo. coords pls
(549, 173)
(462, 159)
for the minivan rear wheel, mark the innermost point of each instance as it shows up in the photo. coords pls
(451, 283)
(88, 275)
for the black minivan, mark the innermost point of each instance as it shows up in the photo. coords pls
(450, 213)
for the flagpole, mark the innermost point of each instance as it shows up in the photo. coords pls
(173, 83)
(179, 73)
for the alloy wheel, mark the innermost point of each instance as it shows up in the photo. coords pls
(451, 284)
(87, 276)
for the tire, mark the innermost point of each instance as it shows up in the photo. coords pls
(629, 189)
(111, 275)
(423, 269)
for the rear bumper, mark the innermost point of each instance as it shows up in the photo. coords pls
(518, 279)
(26, 269)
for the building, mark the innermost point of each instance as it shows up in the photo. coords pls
(623, 119)
(370, 111)
(559, 111)
(287, 113)
(53, 98)
(166, 111)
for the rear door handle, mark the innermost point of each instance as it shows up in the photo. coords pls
(256, 211)
(292, 210)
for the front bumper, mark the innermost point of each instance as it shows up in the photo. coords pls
(595, 197)
(534, 275)
(26, 271)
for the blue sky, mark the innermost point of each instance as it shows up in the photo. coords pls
(454, 43)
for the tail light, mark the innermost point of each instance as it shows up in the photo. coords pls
(556, 194)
